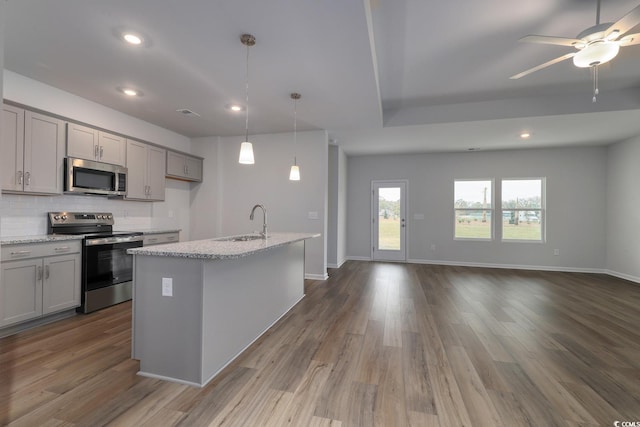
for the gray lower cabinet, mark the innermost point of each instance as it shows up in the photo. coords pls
(39, 279)
(160, 238)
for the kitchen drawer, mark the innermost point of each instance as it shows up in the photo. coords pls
(160, 239)
(35, 250)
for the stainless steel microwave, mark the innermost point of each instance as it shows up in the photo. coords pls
(89, 177)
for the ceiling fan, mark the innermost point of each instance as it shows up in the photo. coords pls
(594, 46)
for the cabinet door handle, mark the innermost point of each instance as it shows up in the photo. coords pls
(62, 249)
(95, 151)
(39, 273)
(184, 169)
(27, 178)
(20, 177)
(101, 152)
(46, 272)
(153, 240)
(20, 253)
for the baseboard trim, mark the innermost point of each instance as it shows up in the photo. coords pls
(337, 265)
(508, 266)
(324, 276)
(358, 258)
(624, 276)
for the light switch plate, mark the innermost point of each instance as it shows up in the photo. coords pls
(167, 287)
(313, 215)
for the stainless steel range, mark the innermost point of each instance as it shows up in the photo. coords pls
(107, 269)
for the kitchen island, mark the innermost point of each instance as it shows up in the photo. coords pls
(197, 305)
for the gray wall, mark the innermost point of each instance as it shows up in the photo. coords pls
(337, 218)
(228, 198)
(623, 214)
(576, 206)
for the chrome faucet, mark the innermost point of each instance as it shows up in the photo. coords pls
(264, 217)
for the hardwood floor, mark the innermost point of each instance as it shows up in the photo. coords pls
(377, 344)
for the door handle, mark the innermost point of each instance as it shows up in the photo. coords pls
(402, 225)
(95, 151)
(39, 273)
(20, 177)
(27, 178)
(101, 152)
(46, 272)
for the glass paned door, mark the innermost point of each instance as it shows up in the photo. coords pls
(388, 220)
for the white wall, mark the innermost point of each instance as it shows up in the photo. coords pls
(230, 196)
(205, 202)
(26, 215)
(337, 207)
(623, 209)
(576, 206)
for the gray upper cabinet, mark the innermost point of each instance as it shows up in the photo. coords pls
(184, 167)
(87, 143)
(31, 152)
(146, 171)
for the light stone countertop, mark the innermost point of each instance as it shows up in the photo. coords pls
(148, 231)
(221, 247)
(44, 238)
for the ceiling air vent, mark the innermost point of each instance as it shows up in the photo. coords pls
(187, 112)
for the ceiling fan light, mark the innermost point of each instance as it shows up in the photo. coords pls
(596, 54)
(246, 154)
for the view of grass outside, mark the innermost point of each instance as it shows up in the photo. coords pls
(473, 225)
(388, 233)
(521, 231)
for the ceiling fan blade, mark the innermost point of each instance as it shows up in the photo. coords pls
(541, 66)
(625, 23)
(630, 40)
(560, 41)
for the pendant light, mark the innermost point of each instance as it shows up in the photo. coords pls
(246, 148)
(294, 174)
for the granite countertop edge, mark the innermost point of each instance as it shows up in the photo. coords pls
(46, 238)
(218, 248)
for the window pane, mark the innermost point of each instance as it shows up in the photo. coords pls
(473, 224)
(472, 194)
(521, 225)
(522, 193)
(389, 219)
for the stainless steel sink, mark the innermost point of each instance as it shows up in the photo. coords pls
(243, 238)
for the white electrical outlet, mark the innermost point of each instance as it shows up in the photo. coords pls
(167, 287)
(556, 252)
(433, 247)
(313, 215)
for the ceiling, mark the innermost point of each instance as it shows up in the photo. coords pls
(380, 76)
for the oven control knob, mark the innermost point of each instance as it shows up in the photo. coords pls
(99, 217)
(64, 217)
(56, 217)
(110, 217)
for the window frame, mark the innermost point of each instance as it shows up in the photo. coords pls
(542, 210)
(491, 211)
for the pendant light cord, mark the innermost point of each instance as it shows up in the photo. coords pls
(295, 131)
(247, 98)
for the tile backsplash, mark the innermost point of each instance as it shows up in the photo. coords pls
(22, 215)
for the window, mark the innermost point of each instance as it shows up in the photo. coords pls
(473, 209)
(523, 209)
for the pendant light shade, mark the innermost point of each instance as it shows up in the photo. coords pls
(294, 173)
(246, 153)
(246, 148)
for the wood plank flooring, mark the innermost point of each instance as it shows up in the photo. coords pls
(378, 344)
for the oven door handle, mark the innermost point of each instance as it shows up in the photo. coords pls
(112, 240)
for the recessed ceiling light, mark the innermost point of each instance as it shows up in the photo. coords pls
(132, 38)
(234, 108)
(130, 91)
(525, 135)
